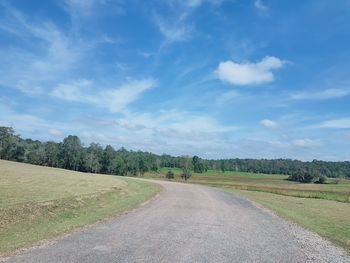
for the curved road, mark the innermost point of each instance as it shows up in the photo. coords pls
(190, 223)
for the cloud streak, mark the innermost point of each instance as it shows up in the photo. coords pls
(261, 7)
(116, 100)
(321, 95)
(343, 123)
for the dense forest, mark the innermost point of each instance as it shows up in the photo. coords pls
(71, 154)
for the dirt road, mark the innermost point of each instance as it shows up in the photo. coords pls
(190, 223)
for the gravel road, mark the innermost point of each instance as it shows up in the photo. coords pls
(190, 223)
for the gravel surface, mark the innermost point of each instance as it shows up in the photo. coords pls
(190, 223)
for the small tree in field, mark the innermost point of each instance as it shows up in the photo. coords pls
(186, 168)
(170, 175)
(186, 174)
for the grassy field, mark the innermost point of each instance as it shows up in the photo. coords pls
(322, 208)
(38, 203)
(277, 184)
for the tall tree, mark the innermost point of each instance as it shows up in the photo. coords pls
(71, 153)
(107, 158)
(93, 158)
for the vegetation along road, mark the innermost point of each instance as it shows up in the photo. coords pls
(190, 223)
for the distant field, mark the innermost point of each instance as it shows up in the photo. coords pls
(265, 183)
(322, 208)
(40, 202)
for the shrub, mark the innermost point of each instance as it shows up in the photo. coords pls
(322, 179)
(170, 175)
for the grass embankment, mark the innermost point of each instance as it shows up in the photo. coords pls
(39, 203)
(322, 208)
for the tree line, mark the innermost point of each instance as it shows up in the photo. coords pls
(71, 154)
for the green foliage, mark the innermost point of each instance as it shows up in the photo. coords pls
(71, 154)
(322, 179)
(170, 175)
(222, 166)
(198, 165)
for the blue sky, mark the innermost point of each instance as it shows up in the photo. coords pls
(216, 78)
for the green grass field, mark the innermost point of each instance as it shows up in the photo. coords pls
(322, 208)
(277, 184)
(39, 203)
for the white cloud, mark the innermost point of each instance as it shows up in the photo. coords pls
(55, 132)
(77, 90)
(249, 73)
(227, 97)
(170, 131)
(269, 123)
(34, 127)
(174, 30)
(321, 95)
(306, 142)
(115, 99)
(176, 27)
(193, 3)
(335, 124)
(55, 53)
(118, 99)
(82, 10)
(260, 6)
(81, 7)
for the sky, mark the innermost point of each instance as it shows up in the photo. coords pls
(213, 78)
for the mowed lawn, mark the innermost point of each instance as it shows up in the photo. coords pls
(322, 208)
(39, 203)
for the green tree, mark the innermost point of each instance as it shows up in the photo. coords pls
(71, 153)
(186, 168)
(106, 160)
(52, 152)
(198, 166)
(222, 166)
(93, 157)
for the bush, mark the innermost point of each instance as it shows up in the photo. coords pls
(322, 179)
(170, 175)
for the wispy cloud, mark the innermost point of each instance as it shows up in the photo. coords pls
(177, 26)
(81, 11)
(321, 95)
(269, 123)
(116, 100)
(227, 97)
(31, 71)
(249, 73)
(170, 131)
(261, 7)
(194, 3)
(343, 123)
(306, 142)
(174, 30)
